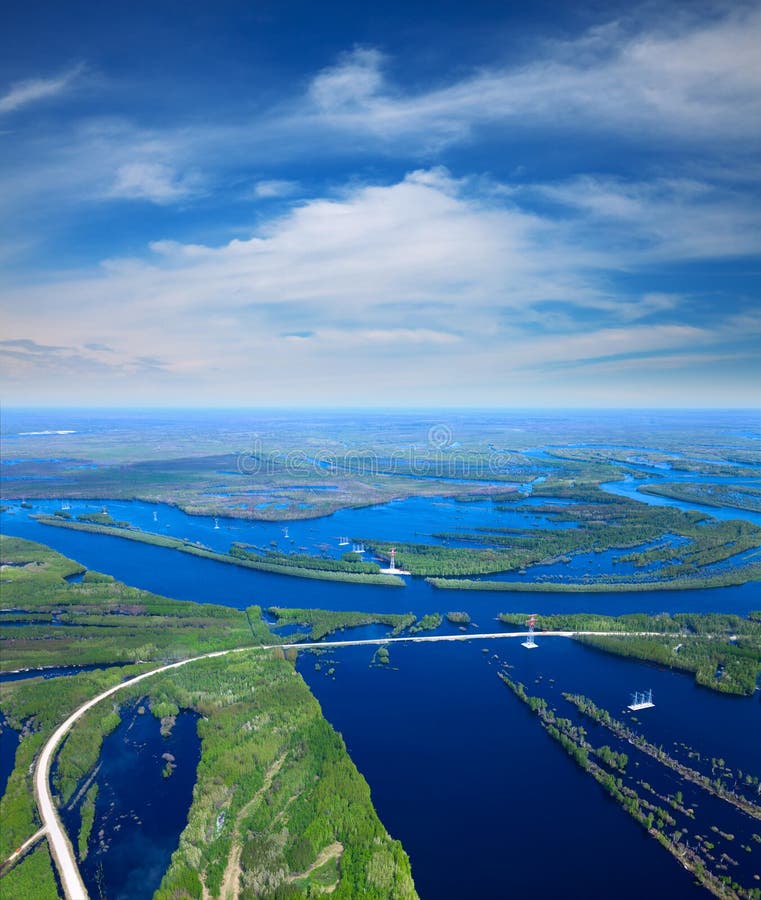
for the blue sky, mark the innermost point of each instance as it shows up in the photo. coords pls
(286, 203)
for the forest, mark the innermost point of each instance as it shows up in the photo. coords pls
(665, 544)
(722, 651)
(321, 622)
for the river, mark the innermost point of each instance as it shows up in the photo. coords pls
(484, 802)
(186, 577)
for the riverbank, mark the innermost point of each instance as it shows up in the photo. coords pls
(160, 540)
(611, 770)
(243, 732)
(731, 578)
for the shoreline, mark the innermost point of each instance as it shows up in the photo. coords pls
(171, 543)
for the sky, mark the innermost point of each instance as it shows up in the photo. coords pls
(284, 203)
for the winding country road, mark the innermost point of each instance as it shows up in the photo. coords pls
(60, 846)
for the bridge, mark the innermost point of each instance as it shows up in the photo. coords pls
(52, 828)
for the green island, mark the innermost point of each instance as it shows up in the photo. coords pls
(87, 817)
(429, 622)
(738, 496)
(716, 786)
(279, 810)
(458, 618)
(603, 584)
(722, 651)
(668, 548)
(321, 622)
(349, 563)
(611, 770)
(283, 564)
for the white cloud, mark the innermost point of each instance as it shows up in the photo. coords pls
(664, 218)
(419, 239)
(95, 162)
(276, 188)
(350, 84)
(413, 283)
(154, 181)
(22, 93)
(700, 82)
(388, 336)
(693, 87)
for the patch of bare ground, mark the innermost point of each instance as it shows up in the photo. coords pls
(231, 881)
(332, 851)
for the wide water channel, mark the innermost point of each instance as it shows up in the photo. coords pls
(185, 577)
(484, 801)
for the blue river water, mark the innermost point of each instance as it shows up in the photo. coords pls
(484, 802)
(628, 488)
(459, 770)
(9, 740)
(186, 577)
(139, 813)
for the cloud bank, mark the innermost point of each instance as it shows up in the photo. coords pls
(416, 281)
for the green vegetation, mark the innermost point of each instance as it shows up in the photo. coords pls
(236, 557)
(715, 786)
(104, 621)
(102, 518)
(22, 560)
(217, 472)
(322, 621)
(605, 585)
(81, 748)
(458, 618)
(667, 460)
(35, 707)
(434, 559)
(679, 623)
(608, 767)
(723, 651)
(738, 496)
(429, 622)
(278, 808)
(279, 779)
(680, 550)
(381, 656)
(32, 878)
(302, 561)
(728, 667)
(87, 814)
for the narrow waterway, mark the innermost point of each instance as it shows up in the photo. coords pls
(140, 810)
